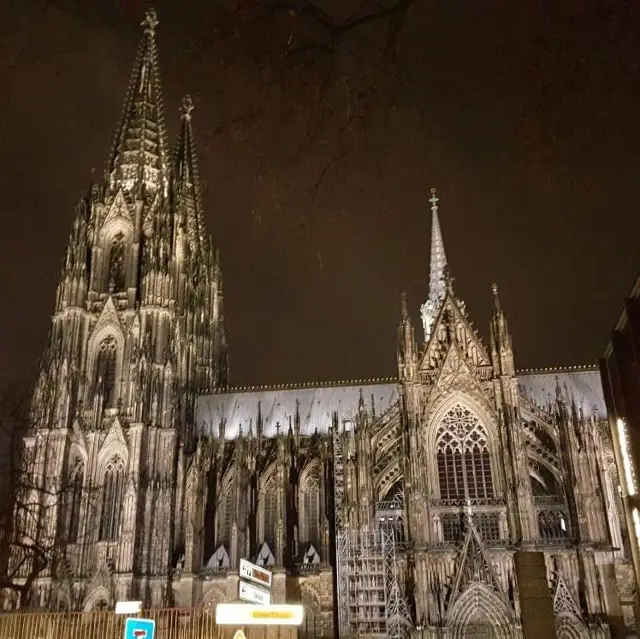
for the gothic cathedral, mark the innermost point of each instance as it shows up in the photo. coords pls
(388, 507)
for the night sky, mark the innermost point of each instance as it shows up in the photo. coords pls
(317, 166)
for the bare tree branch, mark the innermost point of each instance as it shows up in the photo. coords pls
(33, 536)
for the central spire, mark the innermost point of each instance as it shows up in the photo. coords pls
(139, 154)
(438, 273)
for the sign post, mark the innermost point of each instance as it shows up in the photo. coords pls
(256, 574)
(252, 594)
(135, 628)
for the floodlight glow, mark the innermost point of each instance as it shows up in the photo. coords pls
(627, 460)
(636, 524)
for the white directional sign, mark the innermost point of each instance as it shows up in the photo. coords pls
(251, 615)
(255, 573)
(128, 607)
(255, 595)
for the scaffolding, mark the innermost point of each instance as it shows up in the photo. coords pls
(368, 597)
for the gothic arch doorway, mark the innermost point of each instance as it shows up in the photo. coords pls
(568, 626)
(480, 613)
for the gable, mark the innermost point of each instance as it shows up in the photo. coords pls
(119, 213)
(456, 376)
(452, 326)
(108, 316)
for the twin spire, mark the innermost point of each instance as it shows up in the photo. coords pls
(139, 156)
(439, 275)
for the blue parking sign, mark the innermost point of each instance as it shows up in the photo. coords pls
(135, 628)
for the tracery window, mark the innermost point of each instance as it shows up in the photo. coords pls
(552, 524)
(463, 459)
(106, 369)
(452, 527)
(487, 525)
(311, 508)
(116, 277)
(73, 500)
(455, 526)
(225, 516)
(112, 497)
(269, 514)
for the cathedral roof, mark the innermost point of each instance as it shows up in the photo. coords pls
(278, 407)
(580, 383)
(241, 409)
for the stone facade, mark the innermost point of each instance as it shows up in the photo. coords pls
(468, 462)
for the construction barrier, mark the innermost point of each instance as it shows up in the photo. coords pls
(174, 623)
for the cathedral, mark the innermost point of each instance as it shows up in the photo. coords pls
(388, 507)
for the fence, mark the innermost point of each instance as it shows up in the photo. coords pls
(176, 623)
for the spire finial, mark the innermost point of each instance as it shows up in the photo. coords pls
(150, 22)
(496, 297)
(187, 107)
(403, 306)
(434, 199)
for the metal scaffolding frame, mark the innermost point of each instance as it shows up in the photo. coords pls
(368, 596)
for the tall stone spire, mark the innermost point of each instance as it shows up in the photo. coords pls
(187, 182)
(139, 153)
(501, 346)
(438, 271)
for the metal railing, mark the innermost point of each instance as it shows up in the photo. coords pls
(175, 623)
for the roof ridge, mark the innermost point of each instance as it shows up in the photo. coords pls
(559, 369)
(370, 381)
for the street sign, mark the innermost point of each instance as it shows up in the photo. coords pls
(128, 607)
(252, 615)
(250, 593)
(135, 628)
(254, 573)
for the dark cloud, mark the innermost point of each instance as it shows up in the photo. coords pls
(524, 117)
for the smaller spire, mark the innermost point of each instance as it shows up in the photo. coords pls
(438, 268)
(187, 182)
(404, 313)
(406, 343)
(501, 344)
(437, 283)
(496, 298)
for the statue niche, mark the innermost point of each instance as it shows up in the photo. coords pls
(116, 275)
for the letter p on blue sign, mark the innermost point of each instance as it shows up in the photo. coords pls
(135, 628)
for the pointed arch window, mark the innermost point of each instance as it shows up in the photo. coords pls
(116, 275)
(106, 370)
(73, 498)
(112, 497)
(270, 514)
(310, 527)
(225, 516)
(463, 458)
